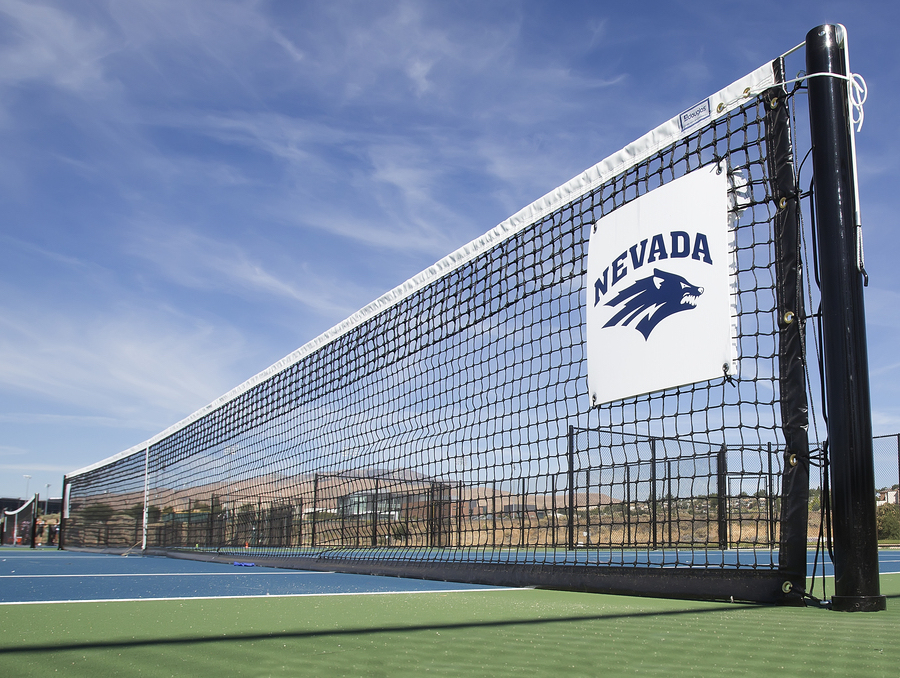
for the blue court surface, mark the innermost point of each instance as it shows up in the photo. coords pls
(46, 576)
(36, 576)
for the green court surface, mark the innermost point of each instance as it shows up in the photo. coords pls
(476, 633)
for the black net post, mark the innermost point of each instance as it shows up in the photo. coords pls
(34, 519)
(844, 328)
(63, 515)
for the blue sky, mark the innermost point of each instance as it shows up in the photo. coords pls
(189, 191)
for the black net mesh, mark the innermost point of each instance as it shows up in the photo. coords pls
(106, 505)
(455, 425)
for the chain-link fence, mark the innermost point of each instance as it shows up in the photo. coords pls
(886, 452)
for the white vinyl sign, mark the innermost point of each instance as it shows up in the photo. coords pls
(660, 285)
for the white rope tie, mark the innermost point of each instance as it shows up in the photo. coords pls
(858, 93)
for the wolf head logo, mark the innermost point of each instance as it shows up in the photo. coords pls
(653, 299)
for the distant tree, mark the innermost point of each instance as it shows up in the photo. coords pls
(135, 512)
(97, 513)
(815, 499)
(887, 520)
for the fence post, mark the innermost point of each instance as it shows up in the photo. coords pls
(315, 508)
(628, 502)
(669, 499)
(146, 497)
(770, 497)
(375, 516)
(459, 513)
(653, 489)
(571, 525)
(722, 496)
(522, 500)
(494, 514)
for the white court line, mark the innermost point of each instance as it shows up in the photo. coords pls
(280, 595)
(64, 555)
(162, 574)
(27, 553)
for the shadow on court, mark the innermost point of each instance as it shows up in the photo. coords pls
(497, 633)
(363, 631)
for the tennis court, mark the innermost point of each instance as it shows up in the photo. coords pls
(490, 420)
(105, 615)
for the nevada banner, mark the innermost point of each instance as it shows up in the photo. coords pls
(660, 285)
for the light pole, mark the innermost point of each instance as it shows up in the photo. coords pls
(47, 499)
(27, 483)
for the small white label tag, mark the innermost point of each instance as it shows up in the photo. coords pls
(695, 116)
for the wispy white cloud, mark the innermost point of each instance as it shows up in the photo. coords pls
(46, 419)
(387, 190)
(197, 261)
(32, 467)
(885, 421)
(289, 47)
(135, 365)
(297, 141)
(881, 370)
(51, 44)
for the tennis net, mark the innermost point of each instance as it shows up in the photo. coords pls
(19, 525)
(447, 429)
